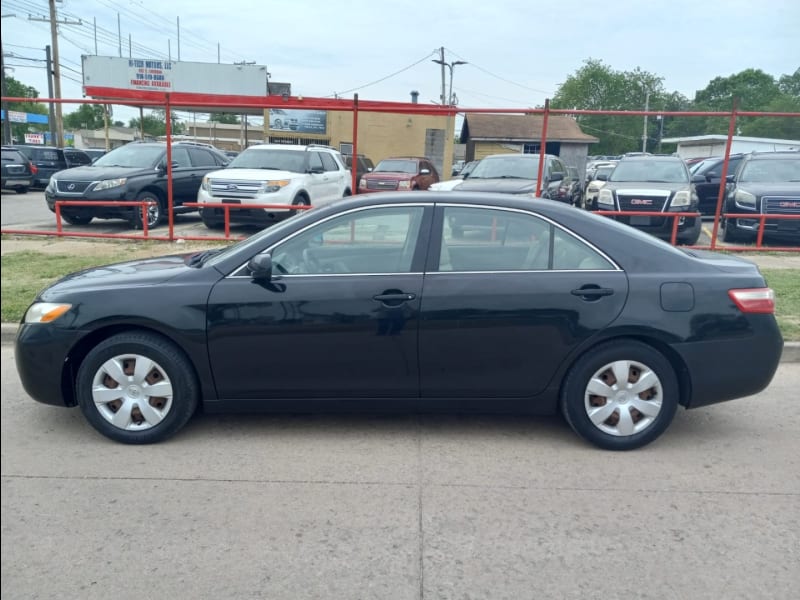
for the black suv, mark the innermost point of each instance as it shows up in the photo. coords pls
(363, 165)
(18, 171)
(47, 160)
(657, 185)
(710, 169)
(136, 171)
(766, 183)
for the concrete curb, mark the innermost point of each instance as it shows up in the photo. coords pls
(791, 350)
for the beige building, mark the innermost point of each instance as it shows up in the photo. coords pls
(96, 138)
(486, 134)
(380, 135)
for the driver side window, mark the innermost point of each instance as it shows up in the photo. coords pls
(375, 240)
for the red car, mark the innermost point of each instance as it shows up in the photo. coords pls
(400, 174)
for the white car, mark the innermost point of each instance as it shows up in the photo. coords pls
(279, 175)
(596, 182)
(451, 184)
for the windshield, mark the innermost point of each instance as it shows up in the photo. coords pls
(131, 155)
(696, 167)
(396, 165)
(277, 160)
(654, 171)
(774, 170)
(515, 166)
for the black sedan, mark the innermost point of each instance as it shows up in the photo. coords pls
(374, 303)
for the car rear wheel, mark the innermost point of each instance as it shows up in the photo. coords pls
(154, 212)
(22, 190)
(137, 388)
(620, 395)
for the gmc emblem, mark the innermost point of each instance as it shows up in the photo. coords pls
(641, 202)
(789, 204)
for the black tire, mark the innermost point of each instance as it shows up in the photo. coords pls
(168, 413)
(731, 236)
(21, 190)
(691, 236)
(216, 225)
(300, 201)
(347, 193)
(77, 218)
(632, 428)
(155, 212)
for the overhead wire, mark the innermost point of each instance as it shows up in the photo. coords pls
(360, 87)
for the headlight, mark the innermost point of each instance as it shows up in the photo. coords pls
(745, 198)
(45, 312)
(404, 185)
(110, 183)
(683, 198)
(52, 183)
(606, 197)
(273, 185)
(206, 184)
(362, 185)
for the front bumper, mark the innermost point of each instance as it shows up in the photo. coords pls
(41, 352)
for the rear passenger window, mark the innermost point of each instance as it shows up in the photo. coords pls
(201, 158)
(328, 163)
(480, 239)
(314, 161)
(181, 156)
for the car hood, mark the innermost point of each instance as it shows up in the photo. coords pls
(502, 186)
(148, 271)
(251, 174)
(446, 186)
(92, 173)
(387, 176)
(644, 187)
(786, 188)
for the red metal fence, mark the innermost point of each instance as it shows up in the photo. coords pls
(169, 102)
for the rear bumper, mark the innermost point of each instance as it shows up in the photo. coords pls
(732, 368)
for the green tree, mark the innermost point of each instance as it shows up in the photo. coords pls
(88, 116)
(227, 118)
(596, 86)
(155, 124)
(17, 89)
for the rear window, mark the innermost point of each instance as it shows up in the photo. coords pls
(12, 156)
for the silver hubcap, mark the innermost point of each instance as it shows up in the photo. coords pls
(132, 392)
(623, 398)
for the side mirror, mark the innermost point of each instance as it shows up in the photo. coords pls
(369, 169)
(316, 170)
(730, 178)
(425, 172)
(556, 176)
(260, 267)
(602, 177)
(699, 179)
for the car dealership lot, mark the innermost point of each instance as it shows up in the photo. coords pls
(304, 506)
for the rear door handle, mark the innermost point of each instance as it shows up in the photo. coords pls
(592, 292)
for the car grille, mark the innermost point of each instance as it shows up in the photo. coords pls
(234, 188)
(72, 187)
(785, 205)
(381, 184)
(641, 202)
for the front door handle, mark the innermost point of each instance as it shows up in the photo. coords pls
(394, 298)
(592, 292)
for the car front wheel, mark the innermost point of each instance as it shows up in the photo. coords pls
(137, 388)
(154, 212)
(621, 395)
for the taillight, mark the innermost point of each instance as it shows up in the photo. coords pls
(34, 168)
(754, 300)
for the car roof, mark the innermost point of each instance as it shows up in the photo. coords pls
(294, 147)
(773, 155)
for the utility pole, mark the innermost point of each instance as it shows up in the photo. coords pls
(441, 62)
(52, 111)
(54, 23)
(7, 120)
(243, 127)
(179, 39)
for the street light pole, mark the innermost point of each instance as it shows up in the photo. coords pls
(646, 108)
(451, 66)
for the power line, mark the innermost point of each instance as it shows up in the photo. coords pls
(423, 59)
(497, 76)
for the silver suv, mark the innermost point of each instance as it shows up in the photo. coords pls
(279, 175)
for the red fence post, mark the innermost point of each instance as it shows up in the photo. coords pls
(542, 147)
(354, 162)
(170, 199)
(723, 186)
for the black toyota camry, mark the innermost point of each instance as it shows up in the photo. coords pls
(377, 304)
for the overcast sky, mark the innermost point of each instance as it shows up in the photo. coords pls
(519, 51)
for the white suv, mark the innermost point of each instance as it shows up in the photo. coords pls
(275, 174)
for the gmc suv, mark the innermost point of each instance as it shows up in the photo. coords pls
(656, 185)
(283, 175)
